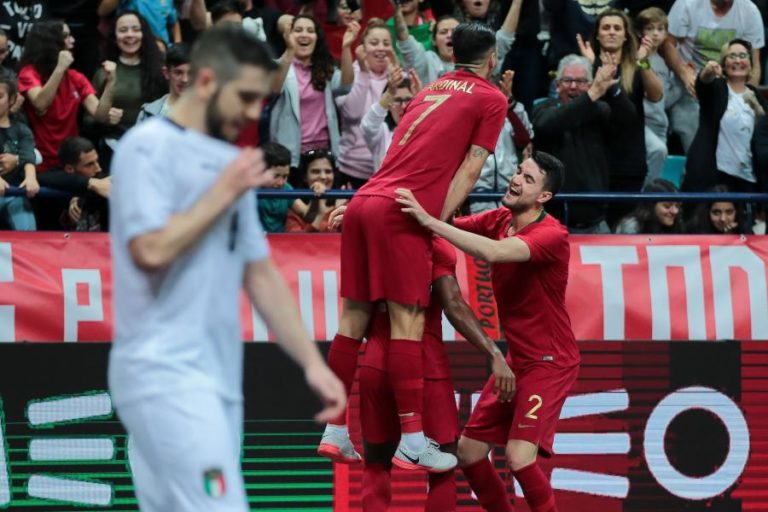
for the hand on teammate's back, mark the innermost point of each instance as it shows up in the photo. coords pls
(247, 171)
(412, 206)
(336, 218)
(328, 389)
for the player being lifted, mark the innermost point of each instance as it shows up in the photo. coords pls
(437, 151)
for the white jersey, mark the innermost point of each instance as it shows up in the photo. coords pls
(702, 34)
(177, 328)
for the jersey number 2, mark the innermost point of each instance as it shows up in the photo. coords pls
(539, 402)
(436, 100)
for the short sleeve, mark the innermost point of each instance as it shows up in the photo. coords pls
(547, 243)
(679, 19)
(29, 79)
(443, 258)
(480, 224)
(252, 238)
(142, 191)
(172, 15)
(82, 84)
(488, 127)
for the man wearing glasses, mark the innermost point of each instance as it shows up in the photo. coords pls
(574, 128)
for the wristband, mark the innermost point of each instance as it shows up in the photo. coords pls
(644, 64)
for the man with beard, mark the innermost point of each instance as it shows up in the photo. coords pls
(185, 238)
(529, 253)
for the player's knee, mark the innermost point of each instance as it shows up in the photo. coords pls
(520, 454)
(468, 452)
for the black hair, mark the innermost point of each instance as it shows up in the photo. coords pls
(405, 84)
(321, 62)
(276, 154)
(42, 46)
(472, 42)
(71, 149)
(225, 48)
(701, 223)
(440, 20)
(177, 55)
(316, 154)
(224, 7)
(153, 83)
(553, 169)
(645, 213)
(10, 85)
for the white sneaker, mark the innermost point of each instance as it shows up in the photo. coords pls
(431, 459)
(338, 447)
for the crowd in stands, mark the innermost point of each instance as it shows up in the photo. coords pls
(632, 96)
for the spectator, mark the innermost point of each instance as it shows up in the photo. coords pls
(160, 15)
(54, 92)
(487, 12)
(614, 43)
(138, 77)
(90, 211)
(380, 121)
(649, 218)
(419, 24)
(567, 19)
(652, 24)
(227, 11)
(318, 172)
(17, 163)
(721, 153)
(176, 71)
(516, 133)
(526, 57)
(262, 12)
(718, 217)
(304, 114)
(274, 211)
(370, 78)
(5, 51)
(574, 128)
(17, 18)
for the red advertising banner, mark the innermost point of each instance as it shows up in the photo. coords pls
(58, 287)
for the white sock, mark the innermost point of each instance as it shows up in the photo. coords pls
(336, 429)
(416, 442)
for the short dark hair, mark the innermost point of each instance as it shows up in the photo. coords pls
(177, 55)
(71, 149)
(472, 42)
(553, 169)
(276, 154)
(10, 84)
(227, 47)
(224, 7)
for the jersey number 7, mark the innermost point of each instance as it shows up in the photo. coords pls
(437, 100)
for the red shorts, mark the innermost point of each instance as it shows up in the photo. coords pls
(378, 410)
(385, 254)
(531, 415)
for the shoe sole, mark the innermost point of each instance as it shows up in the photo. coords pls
(330, 451)
(416, 467)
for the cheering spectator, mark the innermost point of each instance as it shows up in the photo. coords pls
(54, 92)
(487, 12)
(90, 211)
(304, 115)
(5, 51)
(138, 77)
(574, 128)
(17, 163)
(176, 71)
(274, 211)
(718, 217)
(160, 15)
(318, 172)
(649, 218)
(418, 25)
(614, 44)
(721, 153)
(370, 78)
(227, 11)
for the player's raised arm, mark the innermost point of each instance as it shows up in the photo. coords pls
(270, 296)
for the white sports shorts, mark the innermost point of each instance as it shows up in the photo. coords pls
(184, 452)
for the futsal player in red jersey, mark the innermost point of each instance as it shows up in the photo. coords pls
(529, 253)
(438, 151)
(378, 410)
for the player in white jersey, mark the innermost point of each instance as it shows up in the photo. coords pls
(185, 239)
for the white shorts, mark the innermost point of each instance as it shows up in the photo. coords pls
(184, 452)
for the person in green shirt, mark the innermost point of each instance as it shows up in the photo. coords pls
(273, 211)
(419, 24)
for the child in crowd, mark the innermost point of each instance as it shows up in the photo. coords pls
(274, 211)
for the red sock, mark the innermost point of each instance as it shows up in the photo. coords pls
(536, 488)
(342, 359)
(406, 375)
(442, 492)
(488, 486)
(377, 490)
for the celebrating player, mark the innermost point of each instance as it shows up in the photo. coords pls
(438, 150)
(529, 253)
(185, 239)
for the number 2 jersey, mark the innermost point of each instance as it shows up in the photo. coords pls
(435, 133)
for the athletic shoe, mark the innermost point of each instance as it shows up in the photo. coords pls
(339, 448)
(431, 459)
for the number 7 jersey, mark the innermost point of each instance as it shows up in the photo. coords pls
(442, 122)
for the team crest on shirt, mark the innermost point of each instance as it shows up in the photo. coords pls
(215, 485)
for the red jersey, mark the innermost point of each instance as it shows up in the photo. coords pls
(531, 295)
(435, 358)
(60, 120)
(429, 145)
